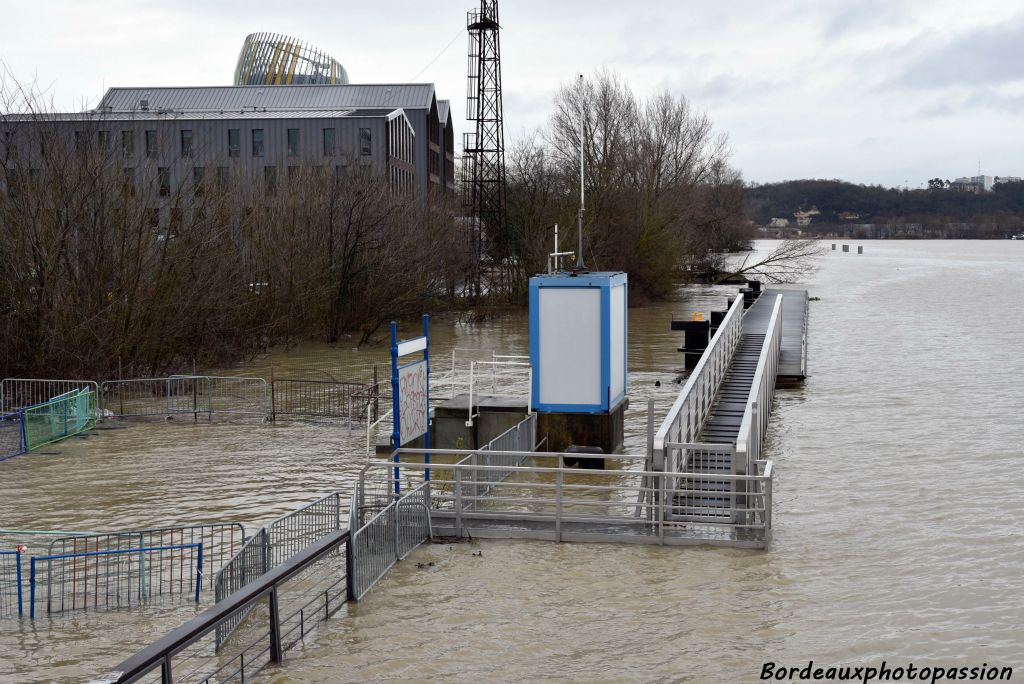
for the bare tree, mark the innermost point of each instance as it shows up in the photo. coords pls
(789, 262)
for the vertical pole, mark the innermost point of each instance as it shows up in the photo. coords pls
(276, 652)
(396, 419)
(558, 499)
(32, 588)
(17, 560)
(166, 677)
(142, 566)
(199, 570)
(458, 501)
(426, 359)
(579, 216)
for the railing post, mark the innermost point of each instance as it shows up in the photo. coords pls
(166, 675)
(559, 481)
(17, 572)
(276, 650)
(32, 589)
(458, 502)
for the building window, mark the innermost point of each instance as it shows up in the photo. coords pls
(81, 140)
(365, 142)
(153, 217)
(293, 142)
(222, 175)
(197, 179)
(328, 142)
(127, 143)
(163, 176)
(45, 142)
(270, 179)
(103, 138)
(186, 142)
(293, 173)
(151, 144)
(339, 173)
(234, 142)
(257, 142)
(129, 182)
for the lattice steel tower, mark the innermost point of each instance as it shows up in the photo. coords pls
(484, 148)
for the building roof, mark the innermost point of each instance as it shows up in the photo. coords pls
(276, 97)
(199, 116)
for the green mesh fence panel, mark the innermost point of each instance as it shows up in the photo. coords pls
(63, 416)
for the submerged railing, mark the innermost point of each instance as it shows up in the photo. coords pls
(188, 653)
(754, 424)
(109, 579)
(316, 399)
(186, 395)
(388, 537)
(691, 409)
(270, 547)
(11, 591)
(63, 416)
(541, 501)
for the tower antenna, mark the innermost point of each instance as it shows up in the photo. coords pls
(579, 216)
(484, 148)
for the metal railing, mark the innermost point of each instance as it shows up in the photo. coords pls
(690, 411)
(270, 547)
(17, 393)
(504, 374)
(293, 532)
(185, 649)
(195, 395)
(317, 399)
(11, 592)
(563, 504)
(109, 579)
(388, 537)
(754, 424)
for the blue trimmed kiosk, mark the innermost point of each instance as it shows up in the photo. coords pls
(578, 350)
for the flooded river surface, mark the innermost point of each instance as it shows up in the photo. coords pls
(898, 519)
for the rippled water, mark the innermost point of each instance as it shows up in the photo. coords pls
(898, 532)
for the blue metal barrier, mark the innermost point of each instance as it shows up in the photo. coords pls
(12, 434)
(107, 578)
(10, 582)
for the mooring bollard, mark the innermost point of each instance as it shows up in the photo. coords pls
(697, 335)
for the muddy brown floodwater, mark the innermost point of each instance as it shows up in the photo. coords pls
(898, 509)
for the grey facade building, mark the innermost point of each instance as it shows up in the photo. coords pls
(182, 134)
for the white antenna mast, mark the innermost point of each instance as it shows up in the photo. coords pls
(579, 216)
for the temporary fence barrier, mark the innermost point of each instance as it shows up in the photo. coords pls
(195, 395)
(316, 399)
(220, 541)
(110, 579)
(11, 602)
(387, 538)
(17, 393)
(271, 546)
(61, 417)
(12, 435)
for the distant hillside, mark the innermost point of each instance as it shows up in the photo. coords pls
(838, 202)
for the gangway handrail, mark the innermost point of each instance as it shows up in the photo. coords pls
(706, 378)
(762, 390)
(160, 652)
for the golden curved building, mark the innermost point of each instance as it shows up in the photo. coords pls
(275, 59)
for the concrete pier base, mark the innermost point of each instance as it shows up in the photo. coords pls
(603, 430)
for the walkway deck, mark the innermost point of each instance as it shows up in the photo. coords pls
(793, 359)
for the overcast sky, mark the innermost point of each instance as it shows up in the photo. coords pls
(870, 91)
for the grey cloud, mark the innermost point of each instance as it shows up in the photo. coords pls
(989, 55)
